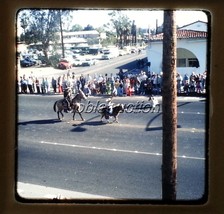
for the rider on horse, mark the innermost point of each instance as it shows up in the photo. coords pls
(67, 99)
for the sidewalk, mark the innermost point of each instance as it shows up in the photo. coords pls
(41, 71)
(31, 191)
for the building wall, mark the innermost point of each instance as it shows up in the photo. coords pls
(197, 26)
(196, 46)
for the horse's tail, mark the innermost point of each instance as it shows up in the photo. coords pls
(54, 107)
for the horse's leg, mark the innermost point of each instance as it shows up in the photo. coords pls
(62, 115)
(74, 115)
(60, 112)
(58, 115)
(80, 115)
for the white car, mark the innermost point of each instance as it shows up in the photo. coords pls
(77, 62)
(88, 62)
(107, 56)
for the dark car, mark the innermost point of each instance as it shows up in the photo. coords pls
(25, 63)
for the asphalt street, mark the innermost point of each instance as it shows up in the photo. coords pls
(119, 160)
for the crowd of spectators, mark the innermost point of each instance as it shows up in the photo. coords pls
(120, 84)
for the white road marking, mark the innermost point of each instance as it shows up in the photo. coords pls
(116, 150)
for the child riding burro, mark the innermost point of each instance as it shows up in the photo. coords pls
(109, 106)
(67, 99)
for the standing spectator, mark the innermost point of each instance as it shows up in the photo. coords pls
(179, 82)
(19, 89)
(30, 85)
(82, 81)
(186, 83)
(43, 87)
(69, 82)
(198, 83)
(192, 82)
(74, 84)
(121, 74)
(24, 84)
(89, 79)
(60, 84)
(37, 83)
(54, 84)
(203, 81)
(47, 85)
(120, 90)
(64, 83)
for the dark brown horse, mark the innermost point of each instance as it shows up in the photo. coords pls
(117, 109)
(75, 105)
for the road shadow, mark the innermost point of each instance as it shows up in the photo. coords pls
(148, 126)
(80, 127)
(157, 128)
(40, 122)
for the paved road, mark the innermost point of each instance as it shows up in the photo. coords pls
(111, 160)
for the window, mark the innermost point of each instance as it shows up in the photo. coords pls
(181, 63)
(193, 62)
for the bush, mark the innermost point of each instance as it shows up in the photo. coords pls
(54, 59)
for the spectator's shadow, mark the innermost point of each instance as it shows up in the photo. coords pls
(151, 128)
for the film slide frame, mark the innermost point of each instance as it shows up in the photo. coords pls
(8, 202)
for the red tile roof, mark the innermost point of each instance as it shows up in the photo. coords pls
(182, 34)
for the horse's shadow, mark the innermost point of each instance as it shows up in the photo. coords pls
(39, 122)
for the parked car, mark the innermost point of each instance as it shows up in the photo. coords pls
(25, 63)
(77, 62)
(122, 52)
(88, 62)
(64, 64)
(107, 56)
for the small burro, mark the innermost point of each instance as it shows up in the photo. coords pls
(69, 104)
(111, 110)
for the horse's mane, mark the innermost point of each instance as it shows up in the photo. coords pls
(79, 95)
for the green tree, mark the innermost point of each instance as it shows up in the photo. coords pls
(76, 27)
(122, 25)
(88, 27)
(43, 27)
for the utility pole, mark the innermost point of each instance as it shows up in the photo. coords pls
(169, 106)
(62, 39)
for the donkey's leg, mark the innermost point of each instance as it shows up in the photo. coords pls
(102, 115)
(158, 108)
(116, 119)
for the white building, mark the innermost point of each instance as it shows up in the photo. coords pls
(80, 37)
(191, 49)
